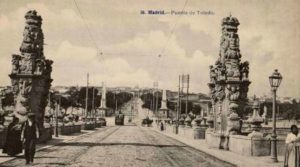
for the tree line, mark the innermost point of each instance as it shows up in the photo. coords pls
(76, 97)
(148, 100)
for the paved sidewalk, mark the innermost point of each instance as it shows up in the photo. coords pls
(227, 156)
(55, 141)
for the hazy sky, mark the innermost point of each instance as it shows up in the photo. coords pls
(131, 42)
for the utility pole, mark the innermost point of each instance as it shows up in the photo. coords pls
(187, 93)
(181, 85)
(178, 106)
(93, 103)
(152, 105)
(57, 110)
(87, 95)
(156, 105)
(178, 102)
(116, 103)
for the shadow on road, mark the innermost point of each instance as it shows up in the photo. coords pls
(89, 144)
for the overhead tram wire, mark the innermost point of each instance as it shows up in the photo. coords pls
(89, 32)
(167, 42)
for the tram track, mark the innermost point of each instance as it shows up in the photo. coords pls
(193, 151)
(82, 152)
(151, 140)
(121, 146)
(182, 154)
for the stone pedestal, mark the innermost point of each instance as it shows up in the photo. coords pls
(214, 140)
(175, 129)
(210, 122)
(103, 109)
(188, 122)
(181, 122)
(255, 121)
(199, 132)
(252, 145)
(163, 112)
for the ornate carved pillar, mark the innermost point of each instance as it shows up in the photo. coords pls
(31, 71)
(229, 79)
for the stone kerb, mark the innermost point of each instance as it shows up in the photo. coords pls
(187, 132)
(195, 132)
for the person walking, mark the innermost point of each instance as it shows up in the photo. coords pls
(30, 134)
(162, 126)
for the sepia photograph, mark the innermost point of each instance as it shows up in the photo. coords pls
(150, 83)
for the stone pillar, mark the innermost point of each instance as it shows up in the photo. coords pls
(103, 107)
(103, 96)
(229, 81)
(256, 120)
(163, 111)
(188, 121)
(31, 71)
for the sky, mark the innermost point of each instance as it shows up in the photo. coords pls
(140, 49)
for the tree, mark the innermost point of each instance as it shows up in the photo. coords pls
(82, 98)
(148, 100)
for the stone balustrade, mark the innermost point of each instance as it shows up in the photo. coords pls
(245, 145)
(97, 124)
(89, 126)
(70, 128)
(195, 132)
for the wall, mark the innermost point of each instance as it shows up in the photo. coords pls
(248, 146)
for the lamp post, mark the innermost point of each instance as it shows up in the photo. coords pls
(275, 80)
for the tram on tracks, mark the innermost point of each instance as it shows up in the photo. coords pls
(119, 119)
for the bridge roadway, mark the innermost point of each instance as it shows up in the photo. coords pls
(124, 146)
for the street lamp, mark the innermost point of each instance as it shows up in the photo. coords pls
(275, 80)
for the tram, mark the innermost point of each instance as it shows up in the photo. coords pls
(119, 119)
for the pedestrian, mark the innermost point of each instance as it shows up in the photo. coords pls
(292, 153)
(30, 134)
(13, 143)
(161, 126)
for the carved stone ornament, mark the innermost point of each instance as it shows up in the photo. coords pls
(230, 73)
(15, 64)
(31, 72)
(233, 92)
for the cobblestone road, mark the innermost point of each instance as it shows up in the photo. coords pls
(121, 146)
